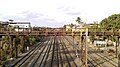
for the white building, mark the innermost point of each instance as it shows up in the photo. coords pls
(67, 27)
(20, 26)
(78, 27)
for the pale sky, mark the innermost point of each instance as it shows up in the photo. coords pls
(56, 13)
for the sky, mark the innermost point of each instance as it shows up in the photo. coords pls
(56, 13)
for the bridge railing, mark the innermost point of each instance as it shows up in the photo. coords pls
(62, 31)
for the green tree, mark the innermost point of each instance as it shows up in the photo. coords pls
(78, 19)
(112, 22)
(64, 26)
(71, 25)
(32, 39)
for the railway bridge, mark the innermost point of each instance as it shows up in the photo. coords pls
(61, 32)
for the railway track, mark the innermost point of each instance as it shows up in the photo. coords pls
(100, 59)
(36, 56)
(58, 51)
(54, 52)
(25, 61)
(68, 48)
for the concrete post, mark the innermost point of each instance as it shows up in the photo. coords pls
(1, 51)
(117, 43)
(16, 42)
(81, 45)
(22, 43)
(10, 42)
(86, 47)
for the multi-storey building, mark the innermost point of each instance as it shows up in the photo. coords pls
(15, 26)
